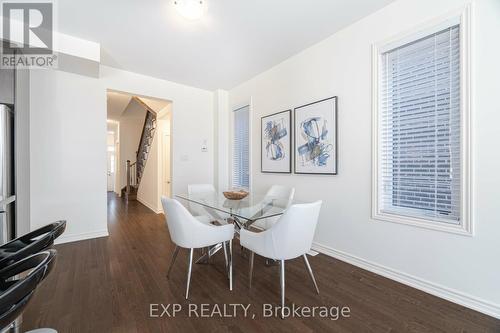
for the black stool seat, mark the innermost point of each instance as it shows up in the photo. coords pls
(15, 293)
(31, 243)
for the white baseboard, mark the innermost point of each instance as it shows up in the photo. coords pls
(147, 204)
(83, 236)
(446, 293)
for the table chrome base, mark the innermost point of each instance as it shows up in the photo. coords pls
(205, 258)
(272, 262)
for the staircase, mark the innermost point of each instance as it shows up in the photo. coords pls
(135, 170)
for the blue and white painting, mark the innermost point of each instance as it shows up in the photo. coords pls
(273, 133)
(316, 137)
(276, 142)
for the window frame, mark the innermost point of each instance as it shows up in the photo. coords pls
(462, 17)
(231, 144)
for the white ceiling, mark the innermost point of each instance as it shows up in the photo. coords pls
(234, 41)
(154, 103)
(117, 103)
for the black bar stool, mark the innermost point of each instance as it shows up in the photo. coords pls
(30, 243)
(15, 293)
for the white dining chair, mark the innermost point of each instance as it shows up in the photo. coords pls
(204, 214)
(290, 237)
(187, 232)
(198, 211)
(281, 196)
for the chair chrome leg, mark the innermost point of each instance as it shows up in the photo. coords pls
(189, 272)
(230, 265)
(225, 254)
(250, 273)
(282, 283)
(310, 273)
(172, 261)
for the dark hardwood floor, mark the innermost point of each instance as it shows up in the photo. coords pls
(108, 284)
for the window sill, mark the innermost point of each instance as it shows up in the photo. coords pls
(463, 229)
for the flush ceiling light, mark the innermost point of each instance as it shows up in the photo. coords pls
(191, 9)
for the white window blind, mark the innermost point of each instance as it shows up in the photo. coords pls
(419, 128)
(241, 154)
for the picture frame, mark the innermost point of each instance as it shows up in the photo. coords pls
(315, 137)
(276, 142)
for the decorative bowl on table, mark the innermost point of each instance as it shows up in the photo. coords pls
(235, 195)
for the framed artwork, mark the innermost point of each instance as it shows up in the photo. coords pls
(316, 137)
(276, 142)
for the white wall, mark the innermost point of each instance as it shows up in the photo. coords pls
(192, 122)
(68, 143)
(456, 267)
(164, 162)
(221, 146)
(68, 153)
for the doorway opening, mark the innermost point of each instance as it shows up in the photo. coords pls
(139, 148)
(164, 131)
(111, 149)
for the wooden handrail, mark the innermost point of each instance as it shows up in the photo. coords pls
(128, 176)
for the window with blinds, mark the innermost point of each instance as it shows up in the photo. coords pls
(241, 152)
(419, 169)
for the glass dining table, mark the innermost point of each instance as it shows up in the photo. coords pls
(243, 213)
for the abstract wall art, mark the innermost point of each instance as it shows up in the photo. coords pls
(276, 142)
(316, 137)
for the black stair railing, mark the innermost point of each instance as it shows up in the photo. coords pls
(135, 170)
(148, 132)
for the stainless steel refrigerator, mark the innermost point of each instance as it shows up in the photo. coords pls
(7, 185)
